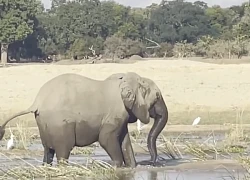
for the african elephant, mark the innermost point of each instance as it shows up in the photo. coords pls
(157, 110)
(73, 110)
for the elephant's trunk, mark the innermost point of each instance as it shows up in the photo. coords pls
(160, 114)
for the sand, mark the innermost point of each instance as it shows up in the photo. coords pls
(185, 84)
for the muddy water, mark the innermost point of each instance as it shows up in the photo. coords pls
(183, 169)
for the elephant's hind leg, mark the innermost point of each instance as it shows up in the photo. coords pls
(48, 152)
(57, 130)
(48, 156)
(63, 144)
(109, 141)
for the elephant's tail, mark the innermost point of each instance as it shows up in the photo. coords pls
(31, 109)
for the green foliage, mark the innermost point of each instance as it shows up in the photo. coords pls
(128, 30)
(82, 47)
(17, 18)
(182, 29)
(178, 20)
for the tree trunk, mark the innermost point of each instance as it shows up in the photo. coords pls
(18, 55)
(4, 53)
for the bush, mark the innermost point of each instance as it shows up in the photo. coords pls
(117, 47)
(166, 50)
(219, 48)
(183, 49)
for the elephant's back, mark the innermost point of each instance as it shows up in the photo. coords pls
(66, 78)
(64, 91)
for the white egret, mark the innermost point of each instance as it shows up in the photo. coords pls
(196, 121)
(138, 125)
(10, 143)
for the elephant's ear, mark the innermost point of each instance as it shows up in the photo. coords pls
(132, 97)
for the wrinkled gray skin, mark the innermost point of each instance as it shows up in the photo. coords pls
(157, 110)
(73, 110)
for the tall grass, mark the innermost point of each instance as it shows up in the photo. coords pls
(94, 169)
(23, 135)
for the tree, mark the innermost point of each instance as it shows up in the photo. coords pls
(82, 47)
(178, 20)
(72, 27)
(16, 22)
(222, 20)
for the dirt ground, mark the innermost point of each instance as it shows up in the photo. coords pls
(215, 92)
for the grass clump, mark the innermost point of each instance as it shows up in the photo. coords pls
(202, 152)
(245, 161)
(23, 135)
(236, 138)
(94, 169)
(136, 135)
(170, 148)
(235, 149)
(83, 151)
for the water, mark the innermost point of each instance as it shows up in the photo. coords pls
(186, 175)
(182, 169)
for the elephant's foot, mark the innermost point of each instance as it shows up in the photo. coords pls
(116, 164)
(46, 164)
(130, 165)
(48, 156)
(149, 163)
(156, 163)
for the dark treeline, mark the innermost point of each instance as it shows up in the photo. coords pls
(82, 28)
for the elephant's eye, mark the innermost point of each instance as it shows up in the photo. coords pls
(158, 95)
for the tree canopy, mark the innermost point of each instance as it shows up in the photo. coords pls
(77, 27)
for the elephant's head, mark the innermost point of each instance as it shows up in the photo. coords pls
(155, 104)
(133, 89)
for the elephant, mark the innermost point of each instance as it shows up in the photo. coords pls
(73, 110)
(157, 110)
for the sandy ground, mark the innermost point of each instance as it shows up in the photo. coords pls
(186, 85)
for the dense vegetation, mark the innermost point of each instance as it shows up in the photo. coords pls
(82, 28)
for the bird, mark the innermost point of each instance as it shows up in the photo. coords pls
(138, 125)
(10, 143)
(196, 121)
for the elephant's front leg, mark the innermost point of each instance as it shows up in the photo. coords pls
(108, 140)
(127, 150)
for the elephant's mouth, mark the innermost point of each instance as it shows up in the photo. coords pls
(152, 111)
